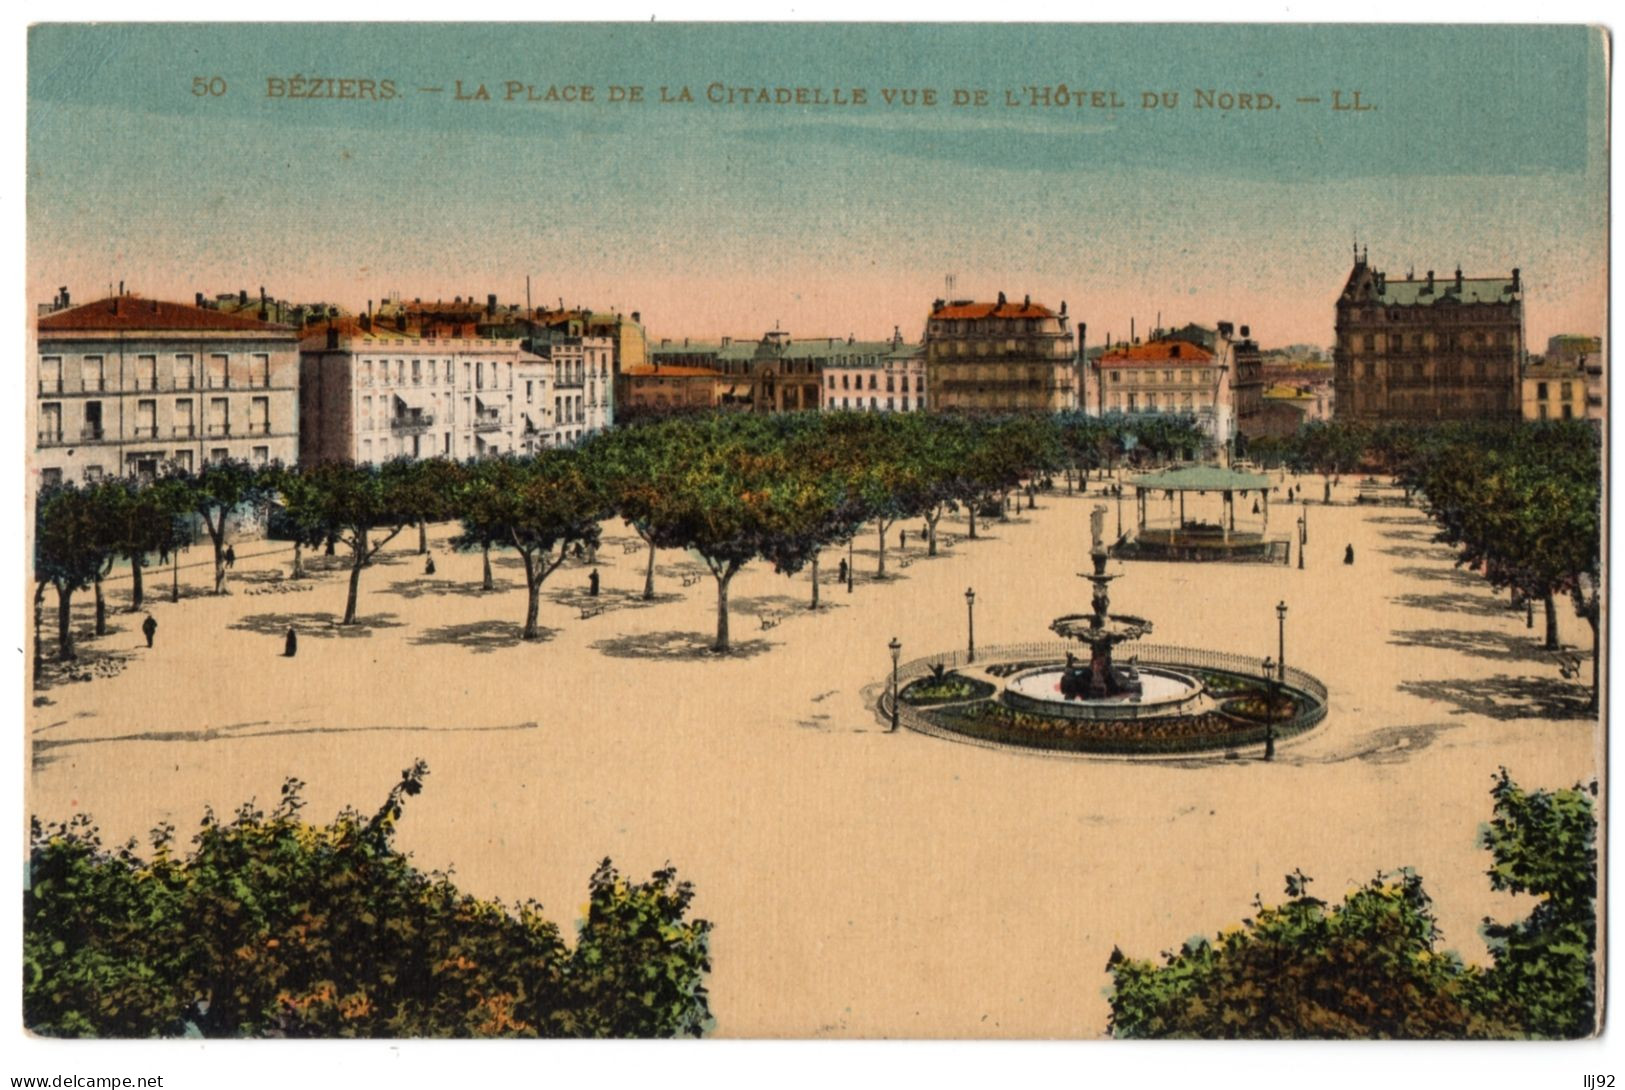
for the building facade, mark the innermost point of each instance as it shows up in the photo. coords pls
(1428, 349)
(1001, 357)
(1210, 374)
(581, 380)
(127, 385)
(369, 393)
(1567, 384)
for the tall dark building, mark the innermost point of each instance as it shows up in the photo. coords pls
(1428, 349)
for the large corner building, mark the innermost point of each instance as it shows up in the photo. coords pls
(1001, 357)
(1428, 349)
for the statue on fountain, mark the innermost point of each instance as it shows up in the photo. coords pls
(1099, 680)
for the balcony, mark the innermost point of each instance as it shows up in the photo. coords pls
(412, 423)
(144, 431)
(184, 431)
(94, 385)
(488, 420)
(50, 386)
(50, 438)
(220, 429)
(261, 427)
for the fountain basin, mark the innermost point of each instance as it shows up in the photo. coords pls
(1162, 692)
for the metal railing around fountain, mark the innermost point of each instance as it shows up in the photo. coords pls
(1043, 652)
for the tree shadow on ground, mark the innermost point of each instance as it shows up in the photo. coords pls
(1449, 602)
(321, 562)
(1479, 644)
(1416, 552)
(580, 598)
(1388, 745)
(1503, 697)
(317, 625)
(481, 637)
(1399, 520)
(693, 646)
(90, 664)
(767, 603)
(1457, 576)
(1408, 535)
(429, 586)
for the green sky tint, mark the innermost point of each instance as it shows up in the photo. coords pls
(1486, 147)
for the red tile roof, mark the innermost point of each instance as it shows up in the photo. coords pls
(349, 327)
(667, 370)
(1156, 352)
(131, 313)
(993, 310)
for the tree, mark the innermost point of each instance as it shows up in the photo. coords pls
(218, 490)
(624, 460)
(353, 501)
(273, 926)
(1370, 966)
(466, 496)
(425, 489)
(148, 520)
(1545, 845)
(70, 550)
(301, 518)
(540, 506)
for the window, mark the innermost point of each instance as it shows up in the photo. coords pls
(1369, 342)
(183, 460)
(1568, 411)
(872, 385)
(146, 372)
(92, 428)
(1541, 410)
(259, 370)
(93, 474)
(919, 384)
(93, 374)
(262, 455)
(50, 422)
(1540, 391)
(146, 419)
(890, 387)
(48, 477)
(219, 416)
(259, 416)
(417, 373)
(184, 426)
(1566, 391)
(50, 375)
(1368, 370)
(219, 376)
(1117, 376)
(218, 454)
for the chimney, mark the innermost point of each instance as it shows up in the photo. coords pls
(1429, 289)
(490, 305)
(242, 297)
(1001, 298)
(64, 289)
(1458, 279)
(262, 295)
(198, 300)
(115, 304)
(1517, 285)
(637, 318)
(366, 319)
(1245, 332)
(1026, 300)
(1063, 308)
(332, 338)
(121, 287)
(400, 321)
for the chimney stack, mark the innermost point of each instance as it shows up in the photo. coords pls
(1430, 282)
(1458, 279)
(490, 305)
(1516, 286)
(198, 300)
(1245, 332)
(332, 338)
(242, 297)
(637, 318)
(64, 290)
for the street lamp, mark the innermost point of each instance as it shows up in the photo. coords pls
(1303, 539)
(1269, 710)
(896, 653)
(1280, 617)
(1303, 524)
(851, 568)
(970, 621)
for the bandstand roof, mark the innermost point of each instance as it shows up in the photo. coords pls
(1202, 479)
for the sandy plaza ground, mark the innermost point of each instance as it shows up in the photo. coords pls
(861, 883)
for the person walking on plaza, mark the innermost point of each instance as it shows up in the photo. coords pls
(149, 628)
(428, 566)
(231, 557)
(902, 539)
(290, 645)
(592, 583)
(1348, 554)
(842, 578)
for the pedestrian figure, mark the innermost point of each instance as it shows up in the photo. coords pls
(290, 646)
(1289, 494)
(231, 557)
(902, 539)
(149, 628)
(428, 566)
(1255, 507)
(842, 578)
(1348, 554)
(163, 552)
(592, 583)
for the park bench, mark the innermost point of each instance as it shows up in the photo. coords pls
(905, 561)
(589, 612)
(770, 620)
(690, 578)
(630, 547)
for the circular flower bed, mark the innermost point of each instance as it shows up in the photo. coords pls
(949, 688)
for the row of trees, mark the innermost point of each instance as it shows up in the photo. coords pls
(732, 488)
(1371, 966)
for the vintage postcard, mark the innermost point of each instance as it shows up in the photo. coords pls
(814, 531)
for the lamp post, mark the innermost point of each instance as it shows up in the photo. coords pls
(1303, 538)
(851, 568)
(896, 653)
(1118, 488)
(1303, 523)
(1269, 710)
(1280, 617)
(970, 622)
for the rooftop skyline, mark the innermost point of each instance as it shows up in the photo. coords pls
(1485, 149)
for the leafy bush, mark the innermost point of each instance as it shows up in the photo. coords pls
(271, 926)
(1369, 968)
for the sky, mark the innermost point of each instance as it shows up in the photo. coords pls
(1484, 146)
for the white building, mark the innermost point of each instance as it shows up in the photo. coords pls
(370, 393)
(874, 376)
(127, 384)
(579, 379)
